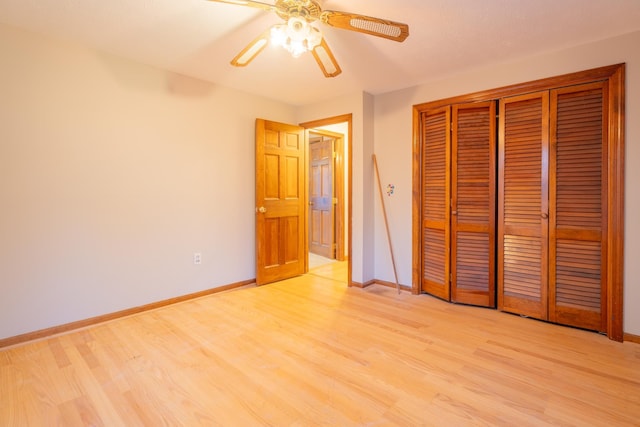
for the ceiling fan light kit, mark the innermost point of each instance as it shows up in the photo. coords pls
(298, 36)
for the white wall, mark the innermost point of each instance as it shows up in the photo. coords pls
(393, 147)
(112, 174)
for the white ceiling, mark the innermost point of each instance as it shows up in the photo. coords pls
(198, 38)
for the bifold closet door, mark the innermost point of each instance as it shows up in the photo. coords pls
(558, 202)
(523, 211)
(578, 201)
(436, 160)
(473, 204)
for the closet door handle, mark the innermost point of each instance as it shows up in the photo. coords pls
(454, 212)
(544, 215)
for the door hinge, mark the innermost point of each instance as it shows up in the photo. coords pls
(335, 200)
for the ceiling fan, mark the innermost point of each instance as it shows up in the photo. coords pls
(297, 35)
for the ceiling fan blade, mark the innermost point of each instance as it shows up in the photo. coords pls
(251, 3)
(325, 59)
(252, 50)
(366, 24)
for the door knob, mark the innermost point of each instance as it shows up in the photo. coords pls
(545, 215)
(262, 209)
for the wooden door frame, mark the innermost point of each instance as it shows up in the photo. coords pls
(614, 75)
(339, 186)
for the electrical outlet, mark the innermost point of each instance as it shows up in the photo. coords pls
(197, 258)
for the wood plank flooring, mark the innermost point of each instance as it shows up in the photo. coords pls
(310, 351)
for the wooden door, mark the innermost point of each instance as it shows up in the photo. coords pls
(280, 201)
(523, 210)
(473, 193)
(578, 200)
(560, 200)
(322, 236)
(436, 128)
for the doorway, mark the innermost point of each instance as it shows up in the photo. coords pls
(325, 177)
(329, 213)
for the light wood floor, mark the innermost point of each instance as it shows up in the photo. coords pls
(310, 351)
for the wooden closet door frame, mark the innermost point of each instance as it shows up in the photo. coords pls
(614, 75)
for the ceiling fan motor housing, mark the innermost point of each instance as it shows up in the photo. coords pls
(309, 10)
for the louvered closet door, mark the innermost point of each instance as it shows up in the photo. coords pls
(578, 226)
(473, 192)
(435, 211)
(523, 205)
